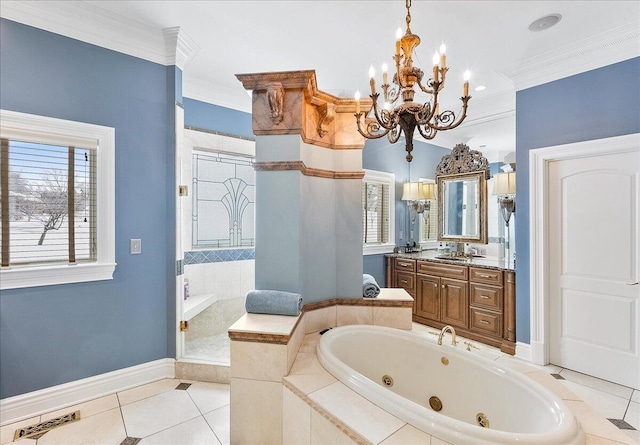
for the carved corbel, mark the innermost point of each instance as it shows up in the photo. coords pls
(326, 115)
(275, 96)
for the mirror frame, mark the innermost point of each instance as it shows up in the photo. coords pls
(464, 163)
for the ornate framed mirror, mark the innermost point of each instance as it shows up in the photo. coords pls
(461, 178)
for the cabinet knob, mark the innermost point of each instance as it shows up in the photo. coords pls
(484, 322)
(444, 286)
(484, 296)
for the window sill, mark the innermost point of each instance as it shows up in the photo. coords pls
(21, 277)
(378, 249)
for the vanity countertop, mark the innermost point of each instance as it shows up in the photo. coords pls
(431, 255)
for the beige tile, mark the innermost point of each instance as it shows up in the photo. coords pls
(596, 383)
(633, 415)
(256, 411)
(194, 431)
(320, 319)
(517, 364)
(265, 324)
(157, 413)
(87, 408)
(296, 419)
(258, 361)
(7, 432)
(294, 343)
(590, 439)
(209, 396)
(346, 315)
(103, 428)
(324, 432)
(436, 441)
(393, 317)
(202, 372)
(545, 379)
(407, 435)
(634, 435)
(148, 390)
(594, 424)
(308, 375)
(635, 397)
(356, 412)
(605, 404)
(392, 293)
(310, 343)
(220, 422)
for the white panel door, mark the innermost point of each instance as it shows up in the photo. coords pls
(593, 262)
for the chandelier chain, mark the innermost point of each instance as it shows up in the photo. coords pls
(408, 15)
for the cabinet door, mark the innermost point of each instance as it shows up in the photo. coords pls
(428, 297)
(455, 302)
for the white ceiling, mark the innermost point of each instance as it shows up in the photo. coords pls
(341, 39)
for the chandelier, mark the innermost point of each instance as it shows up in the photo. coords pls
(409, 115)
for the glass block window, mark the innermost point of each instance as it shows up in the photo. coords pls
(223, 200)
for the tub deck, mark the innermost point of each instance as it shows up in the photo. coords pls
(317, 405)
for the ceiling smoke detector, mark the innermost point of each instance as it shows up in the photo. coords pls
(545, 22)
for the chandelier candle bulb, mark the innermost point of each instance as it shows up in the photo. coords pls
(384, 74)
(443, 56)
(467, 76)
(357, 98)
(372, 74)
(398, 37)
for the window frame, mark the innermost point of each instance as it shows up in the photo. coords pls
(34, 128)
(389, 179)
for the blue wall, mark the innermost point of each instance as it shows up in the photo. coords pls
(216, 118)
(592, 105)
(379, 155)
(55, 334)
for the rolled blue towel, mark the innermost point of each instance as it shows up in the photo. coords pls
(370, 288)
(273, 302)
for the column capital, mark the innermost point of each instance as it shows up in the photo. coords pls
(289, 102)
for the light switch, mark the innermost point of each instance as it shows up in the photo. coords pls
(135, 246)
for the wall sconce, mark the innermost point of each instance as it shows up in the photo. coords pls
(504, 186)
(418, 196)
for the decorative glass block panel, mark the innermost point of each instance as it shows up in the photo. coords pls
(223, 200)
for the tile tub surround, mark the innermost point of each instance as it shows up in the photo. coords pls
(311, 393)
(264, 347)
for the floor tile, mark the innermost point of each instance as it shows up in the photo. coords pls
(605, 404)
(86, 409)
(103, 428)
(517, 364)
(157, 413)
(219, 421)
(634, 435)
(209, 396)
(633, 415)
(407, 435)
(636, 396)
(7, 432)
(596, 383)
(594, 424)
(192, 432)
(148, 390)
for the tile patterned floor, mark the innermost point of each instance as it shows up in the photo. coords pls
(178, 412)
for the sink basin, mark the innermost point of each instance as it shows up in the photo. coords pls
(452, 258)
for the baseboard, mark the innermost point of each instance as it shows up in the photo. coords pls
(523, 351)
(23, 406)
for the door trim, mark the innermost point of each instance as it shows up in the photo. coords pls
(539, 160)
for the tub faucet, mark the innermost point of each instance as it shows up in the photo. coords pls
(453, 335)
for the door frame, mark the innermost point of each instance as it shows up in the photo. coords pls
(539, 160)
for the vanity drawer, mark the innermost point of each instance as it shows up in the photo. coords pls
(486, 322)
(488, 276)
(489, 297)
(405, 265)
(443, 270)
(406, 281)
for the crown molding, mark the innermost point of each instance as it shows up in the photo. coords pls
(180, 48)
(92, 24)
(604, 49)
(216, 93)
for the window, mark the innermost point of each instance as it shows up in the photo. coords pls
(57, 201)
(429, 222)
(223, 200)
(378, 212)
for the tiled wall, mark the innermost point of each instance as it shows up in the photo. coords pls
(217, 256)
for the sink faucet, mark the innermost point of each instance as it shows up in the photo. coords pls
(453, 335)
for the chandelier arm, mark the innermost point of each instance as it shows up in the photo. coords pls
(430, 134)
(382, 119)
(371, 129)
(446, 116)
(425, 89)
(394, 135)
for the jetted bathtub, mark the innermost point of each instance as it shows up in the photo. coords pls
(479, 402)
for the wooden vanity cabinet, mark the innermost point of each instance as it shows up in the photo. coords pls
(479, 302)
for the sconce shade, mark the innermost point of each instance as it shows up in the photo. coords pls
(504, 183)
(415, 191)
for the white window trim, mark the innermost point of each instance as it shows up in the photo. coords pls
(389, 179)
(46, 129)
